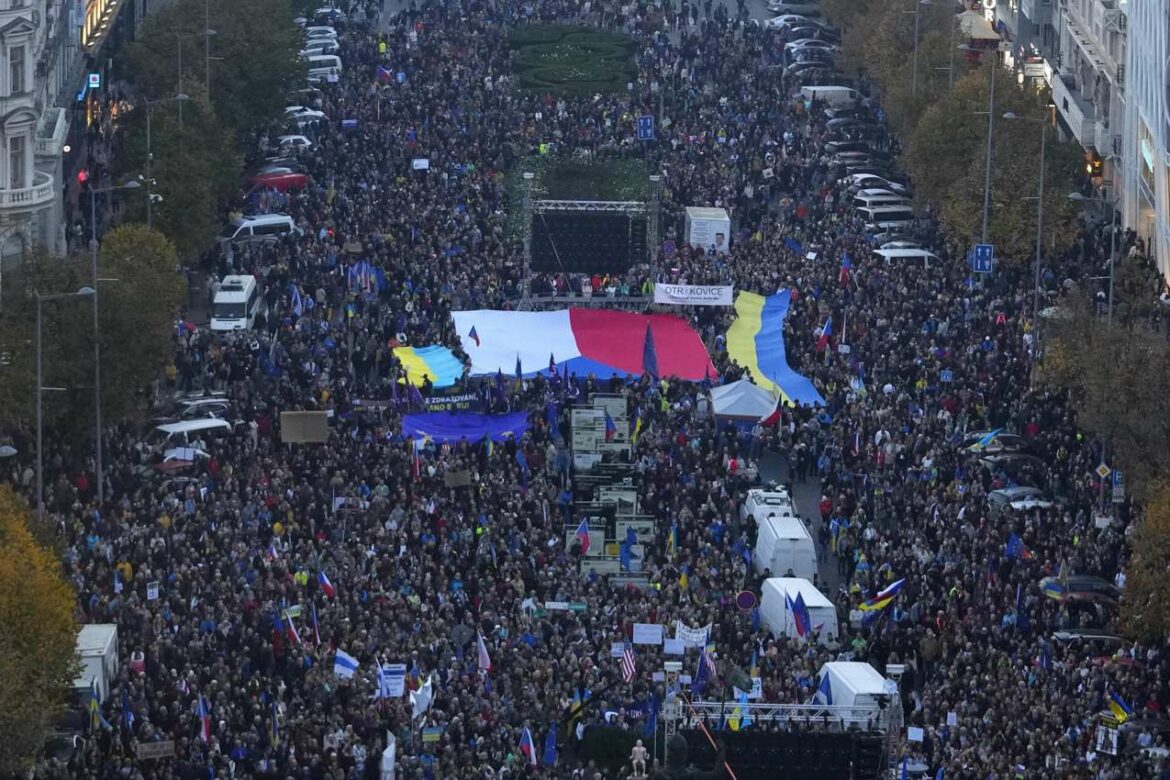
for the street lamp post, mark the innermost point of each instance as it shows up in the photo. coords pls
(97, 349)
(987, 164)
(1039, 203)
(180, 98)
(42, 299)
(1112, 203)
(914, 78)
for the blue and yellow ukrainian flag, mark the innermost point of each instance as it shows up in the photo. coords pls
(1119, 707)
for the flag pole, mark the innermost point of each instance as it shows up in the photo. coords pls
(707, 734)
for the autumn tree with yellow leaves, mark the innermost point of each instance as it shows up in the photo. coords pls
(37, 638)
(1144, 613)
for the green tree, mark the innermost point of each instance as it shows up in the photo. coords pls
(1114, 376)
(195, 166)
(137, 313)
(256, 43)
(37, 638)
(1145, 616)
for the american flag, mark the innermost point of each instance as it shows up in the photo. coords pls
(629, 667)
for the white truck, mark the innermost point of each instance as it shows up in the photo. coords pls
(762, 503)
(854, 684)
(785, 548)
(777, 618)
(97, 647)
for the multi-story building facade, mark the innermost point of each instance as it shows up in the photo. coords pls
(1146, 137)
(1089, 80)
(37, 58)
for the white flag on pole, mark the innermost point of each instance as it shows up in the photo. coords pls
(420, 700)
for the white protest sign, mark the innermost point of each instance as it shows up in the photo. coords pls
(691, 637)
(395, 680)
(647, 634)
(674, 647)
(152, 590)
(693, 295)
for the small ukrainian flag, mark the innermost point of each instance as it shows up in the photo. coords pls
(1119, 707)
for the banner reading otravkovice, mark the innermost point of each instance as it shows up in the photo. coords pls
(693, 294)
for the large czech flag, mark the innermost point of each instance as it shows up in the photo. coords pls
(603, 343)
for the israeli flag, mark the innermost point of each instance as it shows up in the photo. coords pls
(345, 665)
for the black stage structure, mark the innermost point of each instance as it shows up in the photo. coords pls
(606, 237)
(789, 741)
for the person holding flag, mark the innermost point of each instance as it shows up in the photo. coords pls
(483, 660)
(527, 746)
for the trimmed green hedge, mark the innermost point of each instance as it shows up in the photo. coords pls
(571, 60)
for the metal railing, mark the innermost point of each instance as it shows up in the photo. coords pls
(820, 717)
(41, 193)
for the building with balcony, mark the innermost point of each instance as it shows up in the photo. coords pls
(1146, 136)
(1089, 80)
(37, 59)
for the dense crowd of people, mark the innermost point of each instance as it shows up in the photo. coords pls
(364, 538)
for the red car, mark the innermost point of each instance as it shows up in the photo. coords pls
(281, 180)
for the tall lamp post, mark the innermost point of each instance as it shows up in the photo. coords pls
(1111, 202)
(150, 106)
(987, 163)
(43, 299)
(914, 79)
(1043, 122)
(97, 348)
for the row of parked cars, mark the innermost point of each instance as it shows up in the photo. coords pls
(854, 136)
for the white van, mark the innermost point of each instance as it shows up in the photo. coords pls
(879, 197)
(236, 304)
(776, 617)
(785, 547)
(185, 433)
(838, 97)
(878, 218)
(762, 503)
(324, 67)
(261, 227)
(908, 255)
(853, 684)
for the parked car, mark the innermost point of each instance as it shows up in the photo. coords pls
(811, 29)
(804, 44)
(320, 31)
(214, 409)
(317, 46)
(293, 142)
(849, 112)
(1091, 636)
(281, 180)
(1082, 588)
(994, 441)
(785, 20)
(1020, 497)
(865, 182)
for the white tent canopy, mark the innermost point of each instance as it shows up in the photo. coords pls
(975, 25)
(742, 400)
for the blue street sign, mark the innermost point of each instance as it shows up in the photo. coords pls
(646, 128)
(982, 258)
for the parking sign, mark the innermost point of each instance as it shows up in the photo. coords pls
(646, 128)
